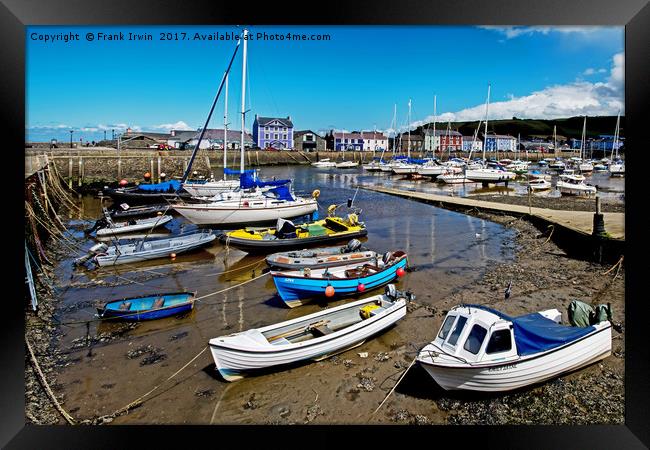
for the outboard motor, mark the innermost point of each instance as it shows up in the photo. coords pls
(92, 252)
(100, 223)
(390, 291)
(353, 246)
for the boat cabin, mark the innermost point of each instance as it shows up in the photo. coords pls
(473, 334)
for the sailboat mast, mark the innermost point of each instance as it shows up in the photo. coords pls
(409, 131)
(243, 102)
(433, 145)
(582, 141)
(225, 130)
(394, 127)
(616, 134)
(487, 105)
(555, 140)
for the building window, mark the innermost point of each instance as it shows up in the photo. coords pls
(266, 136)
(266, 128)
(284, 136)
(276, 136)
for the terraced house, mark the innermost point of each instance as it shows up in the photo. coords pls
(273, 132)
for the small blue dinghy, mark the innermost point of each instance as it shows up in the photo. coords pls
(295, 287)
(148, 307)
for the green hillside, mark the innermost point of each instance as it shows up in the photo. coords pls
(571, 127)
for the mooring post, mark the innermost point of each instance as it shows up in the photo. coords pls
(80, 169)
(119, 167)
(70, 172)
(159, 171)
(151, 172)
(598, 231)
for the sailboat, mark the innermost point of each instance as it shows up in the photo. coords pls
(617, 167)
(375, 164)
(486, 174)
(584, 166)
(406, 167)
(278, 202)
(433, 168)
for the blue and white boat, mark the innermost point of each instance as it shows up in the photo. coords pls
(148, 307)
(481, 349)
(296, 287)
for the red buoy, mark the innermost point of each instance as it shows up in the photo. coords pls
(329, 291)
(123, 182)
(400, 272)
(361, 287)
(147, 175)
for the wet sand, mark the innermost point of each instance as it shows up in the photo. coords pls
(127, 361)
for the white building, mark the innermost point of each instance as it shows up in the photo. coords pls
(374, 141)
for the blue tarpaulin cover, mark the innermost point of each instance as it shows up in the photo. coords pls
(248, 180)
(283, 193)
(228, 171)
(165, 186)
(535, 333)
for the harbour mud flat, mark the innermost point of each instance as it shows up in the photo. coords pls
(346, 388)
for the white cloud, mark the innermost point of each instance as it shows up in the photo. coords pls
(573, 99)
(589, 71)
(511, 32)
(180, 125)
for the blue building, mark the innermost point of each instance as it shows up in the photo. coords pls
(500, 142)
(273, 132)
(348, 141)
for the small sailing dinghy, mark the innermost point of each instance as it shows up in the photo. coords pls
(107, 227)
(313, 337)
(148, 307)
(481, 349)
(324, 163)
(144, 250)
(296, 287)
(288, 236)
(321, 257)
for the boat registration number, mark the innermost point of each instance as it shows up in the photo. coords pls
(502, 368)
(288, 280)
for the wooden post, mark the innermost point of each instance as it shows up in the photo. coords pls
(597, 205)
(151, 172)
(119, 167)
(70, 172)
(159, 170)
(207, 163)
(80, 169)
(257, 157)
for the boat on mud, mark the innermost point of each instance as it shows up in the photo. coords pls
(296, 287)
(321, 257)
(481, 349)
(148, 307)
(309, 338)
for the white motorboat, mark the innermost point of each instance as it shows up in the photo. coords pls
(132, 225)
(537, 175)
(374, 166)
(617, 168)
(586, 167)
(324, 163)
(346, 165)
(572, 184)
(405, 168)
(490, 174)
(312, 337)
(453, 178)
(145, 250)
(481, 349)
(558, 164)
(432, 168)
(539, 184)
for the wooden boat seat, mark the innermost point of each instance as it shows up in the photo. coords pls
(125, 306)
(159, 302)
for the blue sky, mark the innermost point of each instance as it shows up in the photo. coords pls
(350, 81)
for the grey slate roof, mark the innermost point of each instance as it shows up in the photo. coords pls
(263, 121)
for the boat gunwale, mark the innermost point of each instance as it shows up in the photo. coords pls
(279, 273)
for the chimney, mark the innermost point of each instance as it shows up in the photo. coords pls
(173, 133)
(289, 118)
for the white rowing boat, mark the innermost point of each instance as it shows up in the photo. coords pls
(132, 225)
(481, 349)
(313, 337)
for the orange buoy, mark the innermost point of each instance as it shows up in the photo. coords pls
(123, 182)
(329, 291)
(147, 175)
(400, 272)
(361, 287)
(173, 256)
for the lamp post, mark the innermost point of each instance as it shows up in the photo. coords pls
(71, 131)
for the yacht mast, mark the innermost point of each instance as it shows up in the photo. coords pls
(487, 104)
(582, 141)
(409, 131)
(616, 133)
(433, 145)
(555, 140)
(243, 102)
(225, 130)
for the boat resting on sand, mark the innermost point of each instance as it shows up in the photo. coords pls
(481, 349)
(313, 337)
(148, 307)
(287, 236)
(297, 287)
(321, 257)
(126, 211)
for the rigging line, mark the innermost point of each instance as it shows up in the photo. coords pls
(257, 263)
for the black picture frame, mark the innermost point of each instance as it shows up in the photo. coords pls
(633, 14)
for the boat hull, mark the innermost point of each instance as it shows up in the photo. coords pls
(235, 363)
(134, 197)
(271, 246)
(524, 371)
(215, 215)
(295, 291)
(322, 260)
(148, 314)
(145, 225)
(155, 249)
(491, 176)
